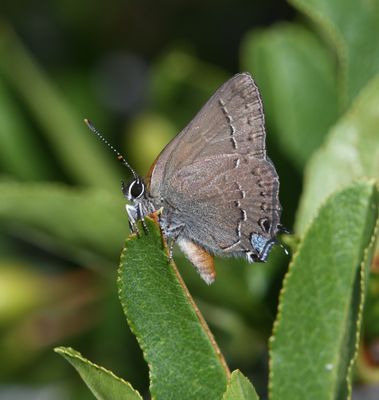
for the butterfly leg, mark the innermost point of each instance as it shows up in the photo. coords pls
(132, 217)
(142, 218)
(172, 236)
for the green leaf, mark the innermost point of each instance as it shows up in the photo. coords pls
(300, 95)
(184, 360)
(104, 384)
(75, 147)
(352, 26)
(239, 388)
(20, 154)
(351, 151)
(79, 222)
(316, 332)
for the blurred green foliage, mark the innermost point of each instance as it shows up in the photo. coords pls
(183, 359)
(141, 72)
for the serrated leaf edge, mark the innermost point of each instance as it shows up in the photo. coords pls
(366, 255)
(236, 372)
(133, 328)
(229, 384)
(72, 353)
(290, 270)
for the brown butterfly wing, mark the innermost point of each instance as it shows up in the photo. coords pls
(231, 122)
(214, 178)
(224, 202)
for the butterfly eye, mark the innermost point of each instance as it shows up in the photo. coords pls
(136, 189)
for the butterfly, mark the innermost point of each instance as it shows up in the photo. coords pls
(217, 190)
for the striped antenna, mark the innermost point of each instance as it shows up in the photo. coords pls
(119, 156)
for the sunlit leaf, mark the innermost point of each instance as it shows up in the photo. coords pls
(239, 388)
(104, 384)
(316, 333)
(350, 151)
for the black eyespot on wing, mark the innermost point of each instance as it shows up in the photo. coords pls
(264, 223)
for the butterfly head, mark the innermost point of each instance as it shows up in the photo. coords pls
(134, 190)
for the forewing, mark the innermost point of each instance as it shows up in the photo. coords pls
(231, 122)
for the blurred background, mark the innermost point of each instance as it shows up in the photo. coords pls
(140, 71)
